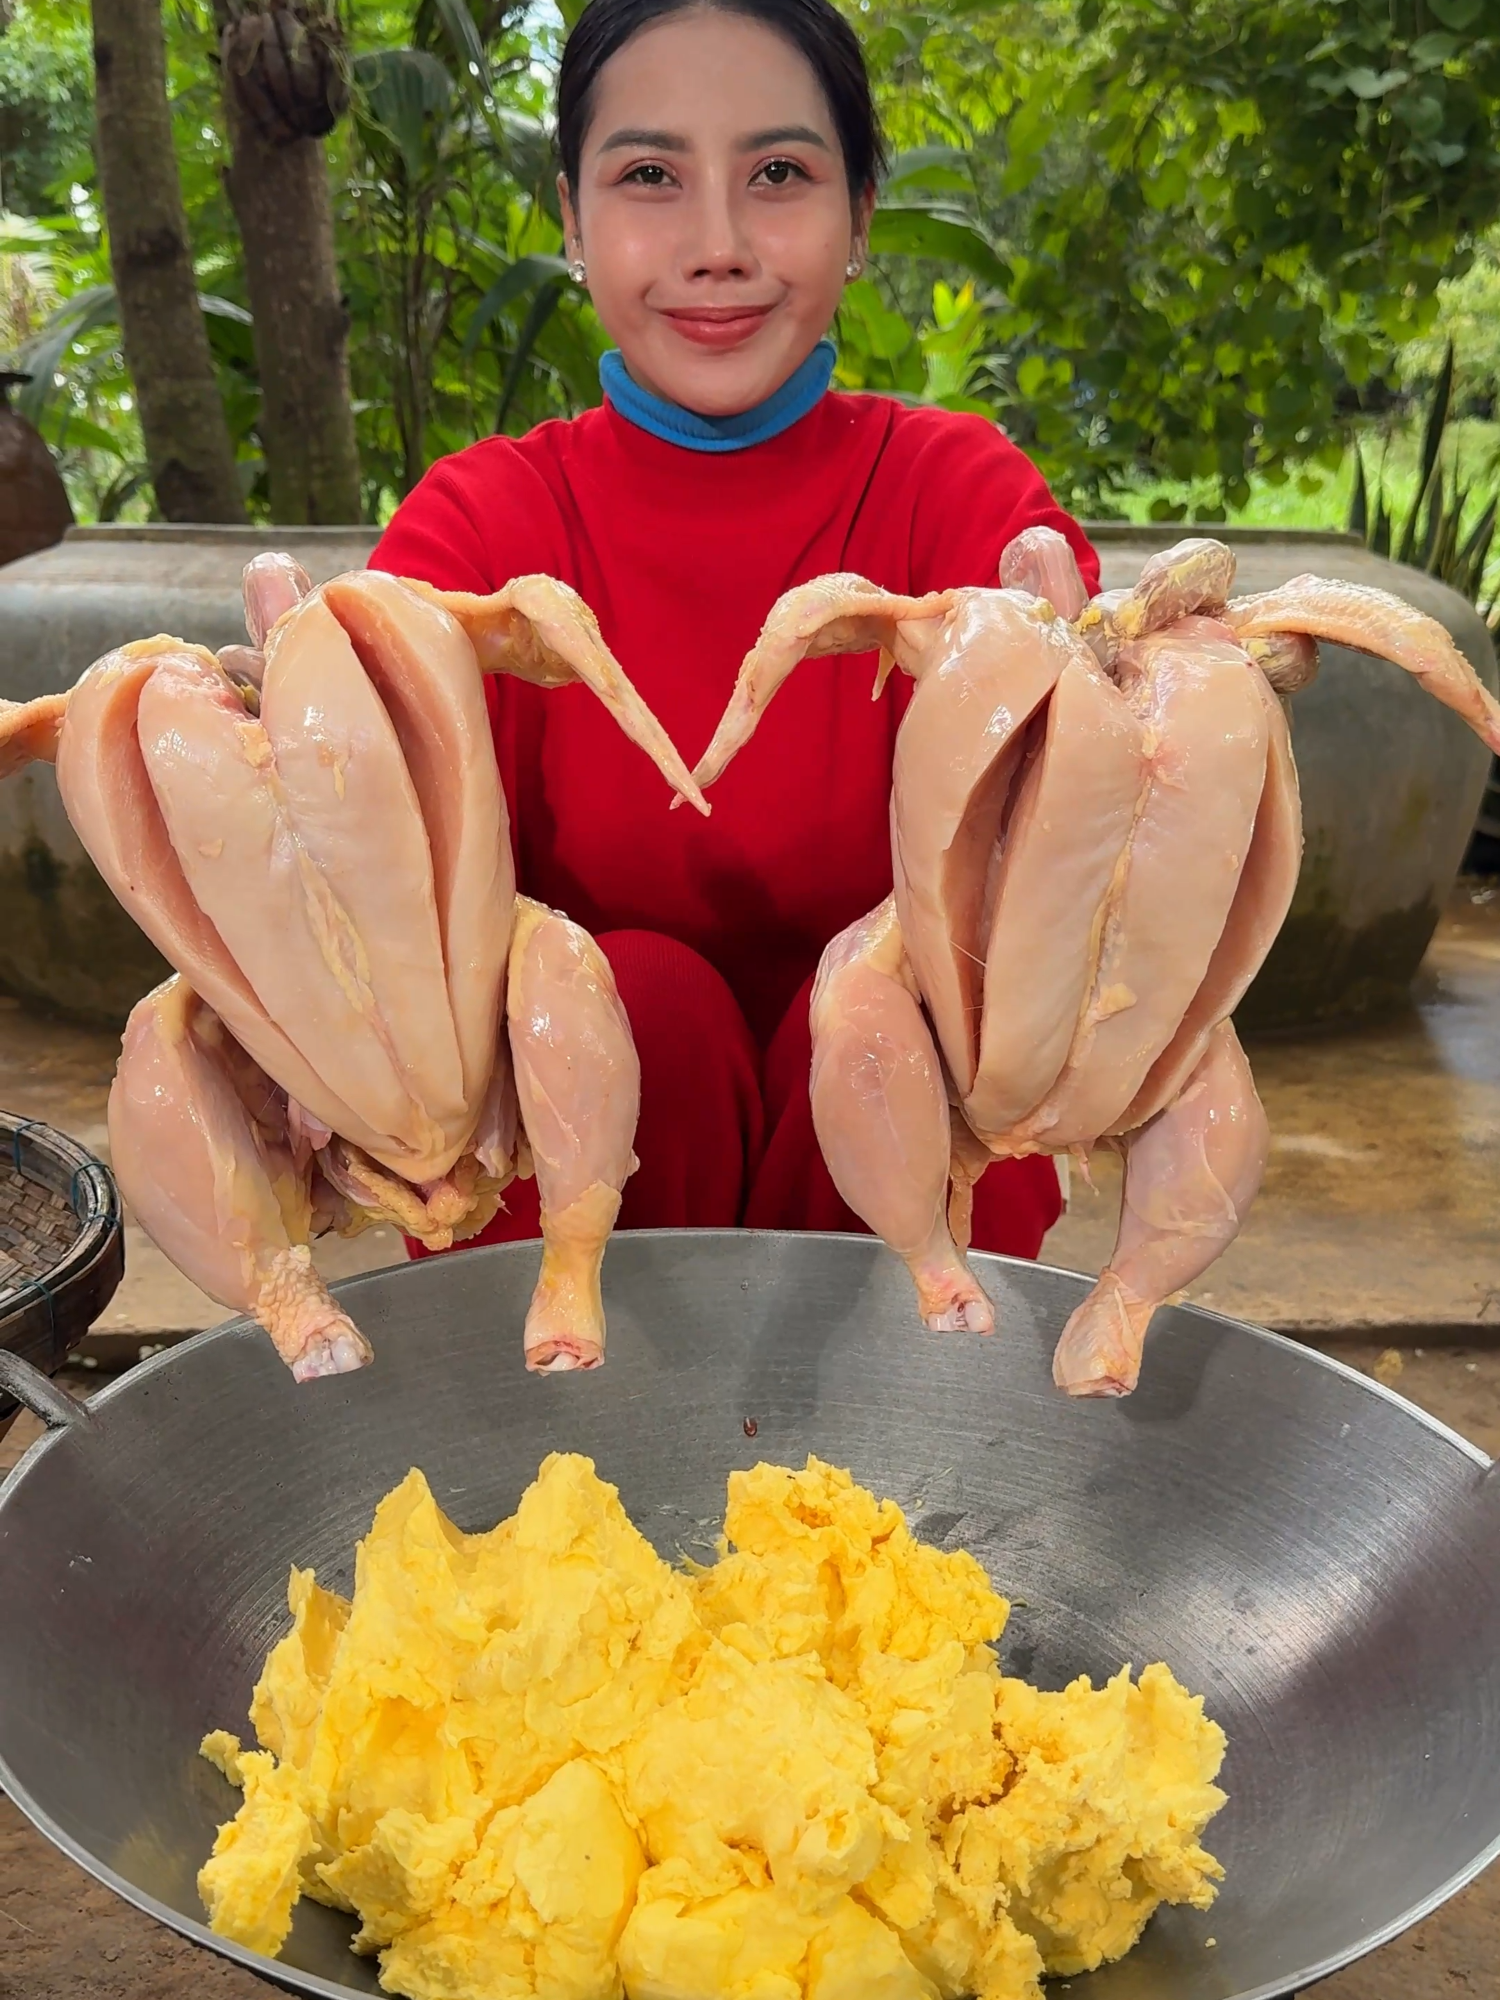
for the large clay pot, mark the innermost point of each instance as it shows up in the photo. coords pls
(1391, 783)
(65, 943)
(35, 510)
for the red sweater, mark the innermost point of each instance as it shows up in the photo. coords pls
(681, 554)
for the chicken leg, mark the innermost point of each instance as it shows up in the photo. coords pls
(1190, 1176)
(198, 1143)
(578, 1079)
(880, 1110)
(1041, 560)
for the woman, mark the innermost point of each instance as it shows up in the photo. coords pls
(718, 176)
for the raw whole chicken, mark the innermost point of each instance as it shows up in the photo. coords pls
(367, 1023)
(1095, 837)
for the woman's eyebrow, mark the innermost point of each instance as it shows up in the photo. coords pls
(644, 136)
(783, 135)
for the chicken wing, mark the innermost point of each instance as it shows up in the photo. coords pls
(29, 731)
(830, 615)
(1373, 621)
(541, 630)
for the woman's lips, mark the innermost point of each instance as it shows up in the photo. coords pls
(718, 326)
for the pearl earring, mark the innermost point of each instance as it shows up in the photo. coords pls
(852, 268)
(577, 271)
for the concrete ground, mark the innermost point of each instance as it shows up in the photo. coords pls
(1374, 1236)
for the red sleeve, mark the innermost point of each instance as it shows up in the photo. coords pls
(973, 492)
(475, 521)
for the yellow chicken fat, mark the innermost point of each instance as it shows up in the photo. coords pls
(541, 1764)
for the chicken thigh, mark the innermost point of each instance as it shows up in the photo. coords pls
(199, 1144)
(1191, 1174)
(880, 1109)
(578, 1080)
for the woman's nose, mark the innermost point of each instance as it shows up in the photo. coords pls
(718, 243)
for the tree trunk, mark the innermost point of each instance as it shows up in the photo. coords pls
(282, 204)
(166, 344)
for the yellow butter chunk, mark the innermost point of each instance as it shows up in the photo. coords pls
(251, 1882)
(543, 1762)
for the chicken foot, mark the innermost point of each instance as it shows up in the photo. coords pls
(1190, 1176)
(199, 1145)
(881, 1112)
(578, 1080)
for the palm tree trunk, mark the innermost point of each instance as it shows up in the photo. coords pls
(282, 203)
(166, 345)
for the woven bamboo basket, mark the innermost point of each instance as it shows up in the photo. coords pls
(62, 1245)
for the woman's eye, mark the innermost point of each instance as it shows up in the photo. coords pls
(650, 173)
(778, 173)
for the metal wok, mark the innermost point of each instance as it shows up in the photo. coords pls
(1310, 1552)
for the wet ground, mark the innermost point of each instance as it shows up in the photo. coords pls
(1374, 1236)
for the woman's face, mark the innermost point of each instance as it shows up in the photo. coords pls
(712, 210)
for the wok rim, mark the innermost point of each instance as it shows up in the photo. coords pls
(274, 1972)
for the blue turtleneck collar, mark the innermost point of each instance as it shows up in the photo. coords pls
(787, 406)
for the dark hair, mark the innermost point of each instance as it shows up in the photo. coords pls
(814, 27)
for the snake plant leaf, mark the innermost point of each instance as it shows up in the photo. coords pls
(1432, 445)
(1359, 502)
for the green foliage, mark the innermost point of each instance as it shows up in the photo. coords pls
(1220, 224)
(942, 361)
(1180, 247)
(46, 98)
(1469, 321)
(450, 248)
